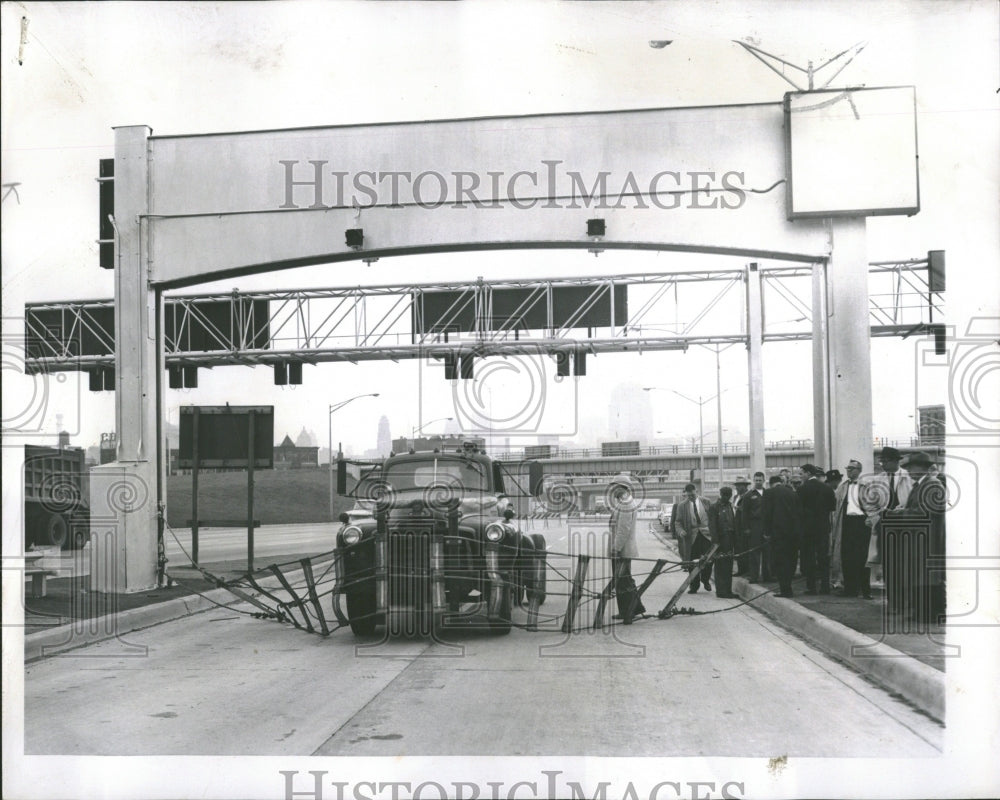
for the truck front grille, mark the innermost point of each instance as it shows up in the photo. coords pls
(409, 568)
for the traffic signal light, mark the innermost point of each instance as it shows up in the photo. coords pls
(935, 270)
(106, 210)
(562, 364)
(466, 367)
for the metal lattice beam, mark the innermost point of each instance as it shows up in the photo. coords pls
(386, 322)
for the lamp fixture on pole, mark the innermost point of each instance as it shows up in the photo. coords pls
(417, 428)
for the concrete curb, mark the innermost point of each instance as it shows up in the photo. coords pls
(81, 632)
(919, 683)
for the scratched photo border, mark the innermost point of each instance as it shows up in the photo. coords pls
(972, 316)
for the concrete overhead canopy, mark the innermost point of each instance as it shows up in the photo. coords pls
(698, 179)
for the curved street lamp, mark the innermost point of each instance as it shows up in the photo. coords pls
(701, 428)
(329, 422)
(421, 426)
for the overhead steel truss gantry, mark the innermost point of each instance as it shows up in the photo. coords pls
(665, 311)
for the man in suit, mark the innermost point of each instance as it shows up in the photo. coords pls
(883, 494)
(690, 524)
(923, 517)
(783, 523)
(742, 543)
(722, 526)
(623, 548)
(750, 519)
(818, 502)
(850, 537)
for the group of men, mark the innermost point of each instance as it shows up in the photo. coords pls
(835, 530)
(735, 526)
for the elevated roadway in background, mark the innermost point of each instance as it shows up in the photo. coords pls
(660, 473)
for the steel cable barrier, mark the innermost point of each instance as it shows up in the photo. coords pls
(306, 592)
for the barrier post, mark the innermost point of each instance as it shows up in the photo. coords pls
(692, 576)
(576, 593)
(606, 595)
(657, 569)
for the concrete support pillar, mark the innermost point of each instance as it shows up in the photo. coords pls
(821, 366)
(755, 368)
(124, 494)
(848, 400)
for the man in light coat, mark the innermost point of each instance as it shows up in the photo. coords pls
(850, 537)
(623, 548)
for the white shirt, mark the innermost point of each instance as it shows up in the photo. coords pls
(853, 506)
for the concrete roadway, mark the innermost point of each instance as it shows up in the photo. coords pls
(223, 683)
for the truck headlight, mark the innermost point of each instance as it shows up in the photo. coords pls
(352, 535)
(494, 532)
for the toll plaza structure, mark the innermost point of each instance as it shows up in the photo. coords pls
(790, 181)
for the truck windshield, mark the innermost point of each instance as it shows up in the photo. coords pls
(467, 475)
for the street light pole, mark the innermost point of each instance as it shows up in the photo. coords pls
(701, 445)
(329, 436)
(718, 408)
(701, 428)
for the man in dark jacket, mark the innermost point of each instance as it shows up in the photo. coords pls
(783, 523)
(742, 543)
(818, 501)
(923, 517)
(750, 520)
(722, 524)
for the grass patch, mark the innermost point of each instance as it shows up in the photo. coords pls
(280, 496)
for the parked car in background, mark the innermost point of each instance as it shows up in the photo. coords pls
(664, 516)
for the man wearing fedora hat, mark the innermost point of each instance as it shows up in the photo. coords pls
(886, 492)
(924, 515)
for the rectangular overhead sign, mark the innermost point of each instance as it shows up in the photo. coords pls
(206, 326)
(851, 152)
(521, 309)
(224, 436)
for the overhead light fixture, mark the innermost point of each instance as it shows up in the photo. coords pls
(596, 229)
(355, 238)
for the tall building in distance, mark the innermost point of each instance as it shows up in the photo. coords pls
(630, 414)
(384, 445)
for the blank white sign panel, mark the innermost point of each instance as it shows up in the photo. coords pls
(852, 152)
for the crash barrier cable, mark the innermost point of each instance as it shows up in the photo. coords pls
(302, 611)
(303, 605)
